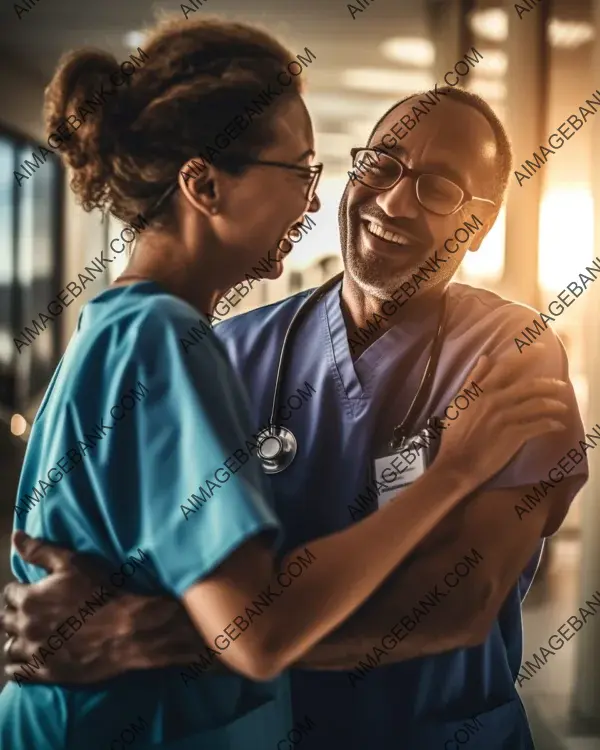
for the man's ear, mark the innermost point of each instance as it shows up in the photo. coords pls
(200, 185)
(482, 232)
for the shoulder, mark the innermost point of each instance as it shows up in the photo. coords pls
(502, 325)
(261, 329)
(262, 317)
(153, 324)
(482, 304)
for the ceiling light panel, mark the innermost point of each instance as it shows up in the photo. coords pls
(410, 50)
(334, 144)
(492, 91)
(387, 80)
(345, 106)
(490, 24)
(569, 34)
(494, 63)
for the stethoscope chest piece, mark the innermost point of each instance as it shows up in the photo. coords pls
(277, 448)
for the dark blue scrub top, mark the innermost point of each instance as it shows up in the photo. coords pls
(421, 703)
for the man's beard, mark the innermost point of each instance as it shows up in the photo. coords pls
(372, 276)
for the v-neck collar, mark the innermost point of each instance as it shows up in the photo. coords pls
(358, 378)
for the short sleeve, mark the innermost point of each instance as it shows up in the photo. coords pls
(555, 456)
(195, 492)
(536, 459)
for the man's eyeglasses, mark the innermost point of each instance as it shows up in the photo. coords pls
(435, 193)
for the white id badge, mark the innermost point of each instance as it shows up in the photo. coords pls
(395, 473)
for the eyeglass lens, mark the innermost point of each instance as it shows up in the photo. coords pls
(434, 192)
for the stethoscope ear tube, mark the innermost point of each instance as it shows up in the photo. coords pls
(277, 446)
(406, 428)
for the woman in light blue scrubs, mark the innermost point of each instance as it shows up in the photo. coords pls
(133, 429)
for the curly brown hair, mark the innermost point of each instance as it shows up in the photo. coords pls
(198, 77)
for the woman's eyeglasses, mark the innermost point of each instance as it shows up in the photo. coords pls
(435, 193)
(312, 174)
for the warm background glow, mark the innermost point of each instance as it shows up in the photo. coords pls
(566, 235)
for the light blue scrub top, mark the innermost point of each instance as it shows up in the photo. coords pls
(418, 704)
(126, 494)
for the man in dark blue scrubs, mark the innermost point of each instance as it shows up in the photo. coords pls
(429, 191)
(433, 657)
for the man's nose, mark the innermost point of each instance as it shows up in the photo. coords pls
(400, 200)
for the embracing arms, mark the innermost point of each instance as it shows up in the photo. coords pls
(327, 592)
(343, 575)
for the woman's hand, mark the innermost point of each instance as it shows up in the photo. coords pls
(513, 409)
(126, 632)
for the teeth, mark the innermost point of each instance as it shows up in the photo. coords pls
(397, 239)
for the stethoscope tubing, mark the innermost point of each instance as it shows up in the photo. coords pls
(408, 424)
(279, 462)
(300, 314)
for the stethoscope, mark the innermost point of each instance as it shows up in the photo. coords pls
(277, 446)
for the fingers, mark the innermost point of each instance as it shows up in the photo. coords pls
(537, 428)
(507, 371)
(522, 395)
(14, 622)
(16, 651)
(38, 552)
(539, 387)
(8, 622)
(40, 675)
(15, 594)
(509, 368)
(53, 672)
(538, 408)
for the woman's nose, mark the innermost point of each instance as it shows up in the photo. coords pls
(314, 205)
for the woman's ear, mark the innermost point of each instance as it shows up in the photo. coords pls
(199, 184)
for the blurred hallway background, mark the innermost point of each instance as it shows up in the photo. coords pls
(539, 65)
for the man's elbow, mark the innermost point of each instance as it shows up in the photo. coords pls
(475, 634)
(479, 618)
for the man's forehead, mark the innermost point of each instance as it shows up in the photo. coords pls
(449, 126)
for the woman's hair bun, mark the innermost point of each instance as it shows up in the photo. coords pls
(78, 116)
(126, 144)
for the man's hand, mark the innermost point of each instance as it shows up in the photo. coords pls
(127, 632)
